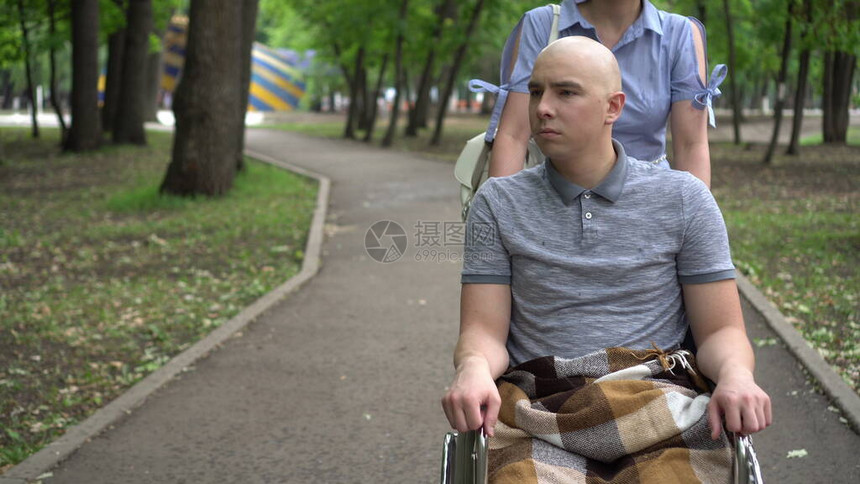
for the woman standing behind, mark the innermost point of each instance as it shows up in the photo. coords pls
(663, 63)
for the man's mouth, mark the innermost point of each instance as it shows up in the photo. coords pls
(548, 132)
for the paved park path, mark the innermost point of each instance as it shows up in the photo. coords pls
(340, 381)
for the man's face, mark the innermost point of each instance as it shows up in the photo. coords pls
(567, 105)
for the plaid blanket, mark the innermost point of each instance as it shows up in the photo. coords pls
(617, 415)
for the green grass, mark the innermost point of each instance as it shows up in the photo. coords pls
(103, 279)
(853, 138)
(807, 264)
(795, 233)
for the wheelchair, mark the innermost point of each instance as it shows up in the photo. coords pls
(464, 455)
(464, 459)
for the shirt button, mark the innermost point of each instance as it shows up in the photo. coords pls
(588, 215)
(587, 195)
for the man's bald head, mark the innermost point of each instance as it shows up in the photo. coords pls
(574, 99)
(586, 56)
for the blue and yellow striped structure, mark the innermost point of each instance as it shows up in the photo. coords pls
(276, 80)
(276, 83)
(174, 52)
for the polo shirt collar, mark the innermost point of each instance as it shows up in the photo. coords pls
(648, 19)
(609, 188)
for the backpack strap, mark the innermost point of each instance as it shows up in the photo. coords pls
(511, 48)
(553, 31)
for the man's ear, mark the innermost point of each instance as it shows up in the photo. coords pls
(615, 106)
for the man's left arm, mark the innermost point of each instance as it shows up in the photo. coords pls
(725, 356)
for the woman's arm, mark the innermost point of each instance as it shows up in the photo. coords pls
(690, 151)
(512, 137)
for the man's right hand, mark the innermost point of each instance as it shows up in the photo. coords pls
(473, 400)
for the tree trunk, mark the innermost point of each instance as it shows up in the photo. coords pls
(780, 90)
(85, 132)
(802, 81)
(346, 75)
(398, 76)
(362, 108)
(799, 103)
(368, 135)
(736, 100)
(407, 91)
(352, 113)
(113, 77)
(418, 114)
(205, 103)
(838, 73)
(154, 68)
(55, 102)
(30, 88)
(452, 75)
(249, 30)
(344, 69)
(8, 87)
(131, 111)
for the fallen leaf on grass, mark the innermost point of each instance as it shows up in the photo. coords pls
(157, 240)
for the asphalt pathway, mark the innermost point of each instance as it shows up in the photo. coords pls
(340, 381)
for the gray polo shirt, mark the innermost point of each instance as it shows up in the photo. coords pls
(590, 269)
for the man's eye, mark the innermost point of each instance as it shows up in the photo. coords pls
(567, 92)
(534, 93)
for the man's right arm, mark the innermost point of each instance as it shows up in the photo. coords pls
(473, 400)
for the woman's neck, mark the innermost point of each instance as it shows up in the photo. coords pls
(611, 18)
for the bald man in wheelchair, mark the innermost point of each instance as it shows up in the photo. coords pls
(581, 278)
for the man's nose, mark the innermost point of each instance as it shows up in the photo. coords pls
(544, 107)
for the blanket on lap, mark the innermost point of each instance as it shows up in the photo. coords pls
(616, 415)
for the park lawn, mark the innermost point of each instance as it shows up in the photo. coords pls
(794, 227)
(795, 233)
(103, 280)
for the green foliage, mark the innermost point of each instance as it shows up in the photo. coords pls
(835, 26)
(304, 24)
(105, 280)
(278, 25)
(852, 139)
(111, 17)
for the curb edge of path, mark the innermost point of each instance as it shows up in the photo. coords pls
(834, 387)
(59, 450)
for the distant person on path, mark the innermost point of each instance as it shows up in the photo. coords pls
(663, 67)
(578, 301)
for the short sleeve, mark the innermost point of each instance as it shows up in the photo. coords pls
(705, 255)
(533, 31)
(485, 259)
(686, 82)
